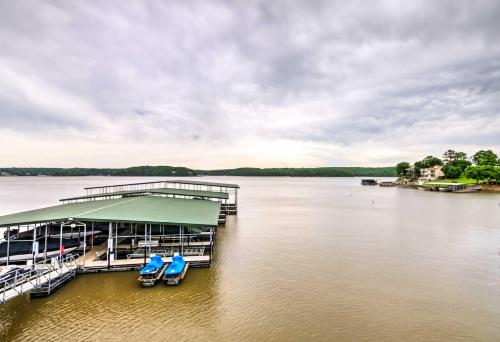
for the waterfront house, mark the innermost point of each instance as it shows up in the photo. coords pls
(409, 173)
(431, 173)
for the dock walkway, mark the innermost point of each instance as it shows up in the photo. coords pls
(133, 264)
(93, 254)
(46, 276)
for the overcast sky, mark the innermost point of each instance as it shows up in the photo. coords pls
(213, 84)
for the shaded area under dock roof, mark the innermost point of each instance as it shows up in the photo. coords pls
(165, 191)
(144, 209)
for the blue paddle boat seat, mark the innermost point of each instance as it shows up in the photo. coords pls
(176, 267)
(153, 266)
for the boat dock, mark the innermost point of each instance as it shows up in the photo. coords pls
(41, 280)
(114, 228)
(136, 264)
(452, 187)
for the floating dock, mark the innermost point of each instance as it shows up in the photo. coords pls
(452, 187)
(118, 227)
(41, 280)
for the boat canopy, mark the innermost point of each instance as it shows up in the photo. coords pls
(143, 209)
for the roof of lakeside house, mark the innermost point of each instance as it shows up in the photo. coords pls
(431, 167)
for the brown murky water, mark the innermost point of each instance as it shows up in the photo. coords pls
(305, 259)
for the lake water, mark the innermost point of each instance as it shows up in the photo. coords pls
(305, 259)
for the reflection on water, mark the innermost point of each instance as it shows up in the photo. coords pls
(305, 259)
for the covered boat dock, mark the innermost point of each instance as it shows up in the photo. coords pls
(230, 205)
(113, 231)
(452, 187)
(141, 223)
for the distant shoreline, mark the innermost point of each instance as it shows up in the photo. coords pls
(170, 171)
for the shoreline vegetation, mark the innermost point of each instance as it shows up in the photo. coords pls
(454, 167)
(168, 171)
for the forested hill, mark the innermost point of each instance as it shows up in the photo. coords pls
(162, 171)
(77, 171)
(306, 172)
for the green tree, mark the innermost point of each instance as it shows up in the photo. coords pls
(425, 163)
(483, 157)
(452, 171)
(496, 174)
(416, 168)
(448, 156)
(473, 172)
(460, 156)
(431, 161)
(401, 167)
(452, 155)
(489, 173)
(456, 163)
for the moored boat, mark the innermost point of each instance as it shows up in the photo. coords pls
(150, 273)
(176, 270)
(23, 250)
(153, 267)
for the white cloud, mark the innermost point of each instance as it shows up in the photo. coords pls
(257, 83)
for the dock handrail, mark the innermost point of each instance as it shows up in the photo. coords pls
(39, 274)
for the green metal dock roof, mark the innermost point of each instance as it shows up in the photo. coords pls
(177, 181)
(165, 191)
(224, 185)
(144, 209)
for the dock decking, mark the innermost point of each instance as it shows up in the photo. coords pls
(42, 280)
(134, 264)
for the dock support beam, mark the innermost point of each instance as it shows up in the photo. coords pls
(8, 245)
(60, 242)
(33, 248)
(211, 245)
(84, 242)
(45, 244)
(110, 243)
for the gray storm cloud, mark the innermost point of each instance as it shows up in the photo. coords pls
(217, 83)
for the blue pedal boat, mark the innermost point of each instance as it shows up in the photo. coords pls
(176, 267)
(176, 271)
(153, 267)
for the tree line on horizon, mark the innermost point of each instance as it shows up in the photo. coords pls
(165, 171)
(484, 166)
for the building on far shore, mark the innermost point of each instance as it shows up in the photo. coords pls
(431, 173)
(409, 173)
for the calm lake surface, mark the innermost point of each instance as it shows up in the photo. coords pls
(305, 259)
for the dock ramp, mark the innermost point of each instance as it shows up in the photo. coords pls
(41, 280)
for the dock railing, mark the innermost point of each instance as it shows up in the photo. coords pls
(40, 274)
